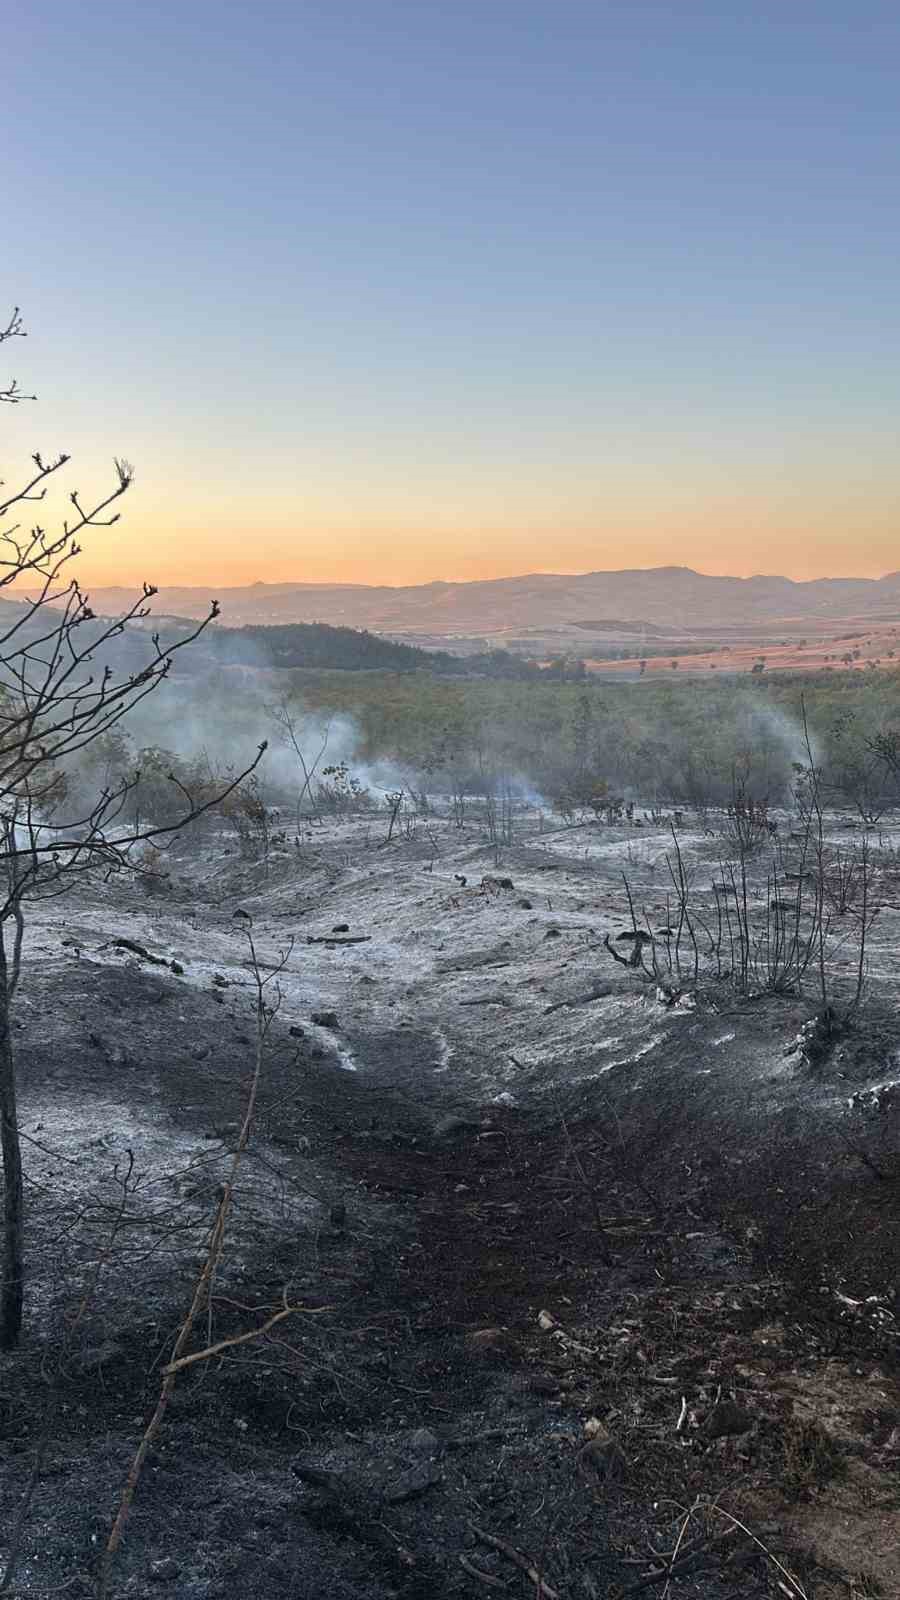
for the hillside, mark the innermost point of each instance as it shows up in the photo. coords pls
(670, 597)
(316, 645)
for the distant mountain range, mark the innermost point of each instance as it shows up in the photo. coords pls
(666, 599)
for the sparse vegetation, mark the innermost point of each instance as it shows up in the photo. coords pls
(60, 698)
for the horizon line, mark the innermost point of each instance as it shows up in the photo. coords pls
(511, 577)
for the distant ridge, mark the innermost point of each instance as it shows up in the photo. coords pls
(668, 597)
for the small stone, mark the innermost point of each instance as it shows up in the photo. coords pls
(326, 1019)
(450, 1126)
(546, 1321)
(408, 1485)
(489, 1339)
(727, 1418)
(164, 1571)
(602, 1459)
(542, 1383)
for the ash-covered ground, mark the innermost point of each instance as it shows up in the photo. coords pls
(595, 1276)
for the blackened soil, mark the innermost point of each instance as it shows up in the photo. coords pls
(548, 1346)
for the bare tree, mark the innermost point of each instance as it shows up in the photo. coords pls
(65, 682)
(12, 394)
(291, 733)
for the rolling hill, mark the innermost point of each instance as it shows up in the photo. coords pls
(670, 598)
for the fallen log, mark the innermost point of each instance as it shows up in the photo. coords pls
(136, 949)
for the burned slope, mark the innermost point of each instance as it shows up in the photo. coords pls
(571, 1261)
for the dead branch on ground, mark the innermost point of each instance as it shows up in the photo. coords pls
(265, 1014)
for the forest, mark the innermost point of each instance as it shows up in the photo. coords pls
(318, 645)
(574, 748)
(676, 741)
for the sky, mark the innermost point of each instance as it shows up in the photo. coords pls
(389, 291)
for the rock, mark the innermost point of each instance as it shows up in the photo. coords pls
(450, 1127)
(552, 933)
(498, 1339)
(164, 1571)
(525, 905)
(200, 1052)
(341, 927)
(542, 1383)
(329, 1482)
(219, 981)
(602, 1459)
(727, 1418)
(295, 1032)
(546, 1321)
(177, 968)
(407, 1485)
(326, 1019)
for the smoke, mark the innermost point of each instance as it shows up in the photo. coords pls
(678, 743)
(776, 746)
(221, 718)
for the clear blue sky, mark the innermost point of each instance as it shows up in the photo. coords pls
(403, 290)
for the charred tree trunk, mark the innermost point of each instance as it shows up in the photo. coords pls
(13, 1264)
